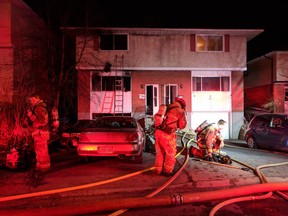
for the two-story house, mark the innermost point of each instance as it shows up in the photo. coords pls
(266, 82)
(129, 70)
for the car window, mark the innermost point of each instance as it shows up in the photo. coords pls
(276, 122)
(84, 124)
(128, 123)
(103, 123)
(116, 123)
(261, 121)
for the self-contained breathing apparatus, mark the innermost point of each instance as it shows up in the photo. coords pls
(161, 117)
(202, 127)
(52, 119)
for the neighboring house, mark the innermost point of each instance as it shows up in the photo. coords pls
(23, 50)
(266, 82)
(121, 70)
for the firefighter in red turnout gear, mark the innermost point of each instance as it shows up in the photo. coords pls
(166, 138)
(209, 141)
(38, 120)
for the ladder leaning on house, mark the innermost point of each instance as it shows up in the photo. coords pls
(119, 87)
(107, 102)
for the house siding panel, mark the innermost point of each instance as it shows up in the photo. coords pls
(259, 72)
(5, 23)
(161, 78)
(227, 43)
(281, 70)
(84, 95)
(256, 97)
(236, 116)
(164, 52)
(237, 91)
(192, 43)
(279, 95)
(23, 49)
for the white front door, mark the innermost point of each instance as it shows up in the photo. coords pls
(211, 98)
(152, 98)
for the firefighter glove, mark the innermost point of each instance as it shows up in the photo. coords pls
(208, 158)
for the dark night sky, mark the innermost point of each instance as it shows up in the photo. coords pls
(272, 17)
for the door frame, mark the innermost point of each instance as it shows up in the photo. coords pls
(152, 98)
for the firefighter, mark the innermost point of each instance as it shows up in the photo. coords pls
(165, 137)
(209, 141)
(38, 121)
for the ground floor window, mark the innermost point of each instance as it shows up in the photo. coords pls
(211, 83)
(109, 83)
(170, 93)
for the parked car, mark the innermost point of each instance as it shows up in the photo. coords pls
(249, 113)
(70, 136)
(120, 136)
(268, 131)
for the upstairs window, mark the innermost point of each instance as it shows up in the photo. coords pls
(108, 83)
(207, 43)
(113, 42)
(211, 84)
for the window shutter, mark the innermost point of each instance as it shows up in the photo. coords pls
(96, 42)
(192, 43)
(227, 43)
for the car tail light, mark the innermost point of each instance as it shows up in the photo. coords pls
(132, 137)
(75, 134)
(65, 135)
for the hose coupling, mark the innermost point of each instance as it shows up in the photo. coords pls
(176, 199)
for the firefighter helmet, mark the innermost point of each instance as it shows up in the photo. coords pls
(182, 102)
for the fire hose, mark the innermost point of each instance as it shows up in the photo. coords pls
(263, 179)
(158, 201)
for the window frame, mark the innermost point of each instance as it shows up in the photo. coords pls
(209, 38)
(223, 86)
(170, 96)
(108, 42)
(98, 82)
